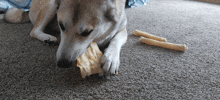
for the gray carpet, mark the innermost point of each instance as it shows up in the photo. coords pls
(28, 69)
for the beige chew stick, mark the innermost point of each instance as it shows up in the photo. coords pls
(148, 35)
(180, 47)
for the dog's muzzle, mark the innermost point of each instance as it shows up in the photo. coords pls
(63, 63)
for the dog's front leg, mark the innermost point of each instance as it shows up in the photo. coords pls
(111, 58)
(45, 16)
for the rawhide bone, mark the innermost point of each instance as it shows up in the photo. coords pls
(158, 41)
(90, 62)
(180, 47)
(148, 35)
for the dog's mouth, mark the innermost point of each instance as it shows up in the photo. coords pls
(66, 63)
(87, 47)
(84, 51)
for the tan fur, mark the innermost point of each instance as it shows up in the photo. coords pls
(104, 22)
(38, 7)
(16, 15)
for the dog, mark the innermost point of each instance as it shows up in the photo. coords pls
(79, 22)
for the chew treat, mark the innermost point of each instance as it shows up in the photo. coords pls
(90, 62)
(148, 35)
(179, 47)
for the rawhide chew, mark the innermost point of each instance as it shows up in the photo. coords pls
(148, 35)
(180, 47)
(90, 62)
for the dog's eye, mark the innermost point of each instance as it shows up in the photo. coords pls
(62, 27)
(109, 17)
(86, 33)
(57, 7)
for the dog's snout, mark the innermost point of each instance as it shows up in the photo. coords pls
(63, 63)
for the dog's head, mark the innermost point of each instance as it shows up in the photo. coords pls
(81, 22)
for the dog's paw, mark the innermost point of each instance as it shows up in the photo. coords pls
(43, 36)
(51, 40)
(110, 63)
(51, 43)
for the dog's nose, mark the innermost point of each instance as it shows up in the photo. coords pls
(64, 63)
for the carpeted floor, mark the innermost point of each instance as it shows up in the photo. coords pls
(28, 69)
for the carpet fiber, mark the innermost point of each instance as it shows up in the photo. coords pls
(28, 69)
